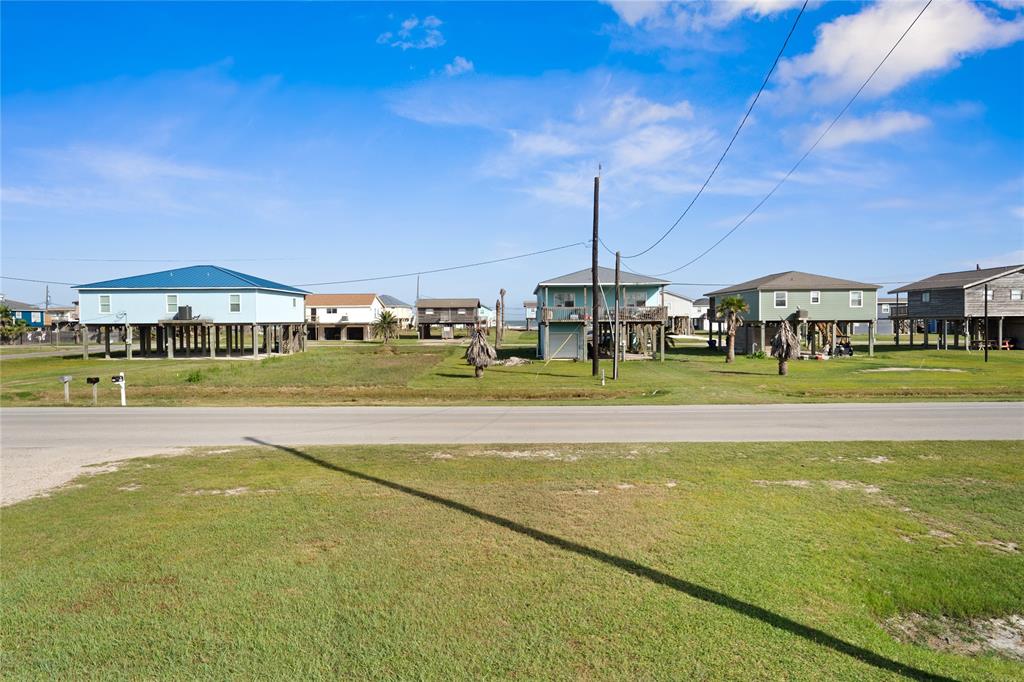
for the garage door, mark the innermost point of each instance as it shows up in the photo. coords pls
(567, 341)
(355, 334)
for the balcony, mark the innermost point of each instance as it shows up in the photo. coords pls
(630, 313)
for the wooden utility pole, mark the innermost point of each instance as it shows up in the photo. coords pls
(986, 324)
(501, 319)
(615, 336)
(596, 321)
(497, 324)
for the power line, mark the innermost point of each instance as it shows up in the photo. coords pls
(449, 268)
(807, 153)
(721, 158)
(36, 281)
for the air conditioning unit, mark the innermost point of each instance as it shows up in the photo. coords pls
(184, 312)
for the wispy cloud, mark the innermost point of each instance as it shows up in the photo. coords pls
(870, 128)
(848, 48)
(414, 34)
(459, 66)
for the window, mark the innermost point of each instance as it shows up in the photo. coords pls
(332, 311)
(104, 303)
(172, 303)
(462, 311)
(564, 299)
(856, 299)
(37, 317)
(235, 303)
(1015, 295)
(926, 296)
(295, 302)
(428, 311)
(781, 299)
(815, 297)
(989, 294)
(885, 308)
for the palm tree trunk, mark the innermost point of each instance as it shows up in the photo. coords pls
(783, 367)
(479, 371)
(730, 355)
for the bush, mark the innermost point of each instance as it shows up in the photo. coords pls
(194, 377)
(758, 355)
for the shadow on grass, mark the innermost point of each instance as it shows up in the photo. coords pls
(688, 588)
(749, 374)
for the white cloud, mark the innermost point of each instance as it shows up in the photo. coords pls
(458, 66)
(1018, 211)
(694, 16)
(851, 46)
(868, 128)
(543, 144)
(414, 34)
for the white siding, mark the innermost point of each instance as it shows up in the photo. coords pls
(355, 314)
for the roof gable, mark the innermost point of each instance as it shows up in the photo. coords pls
(18, 306)
(192, 277)
(962, 279)
(606, 277)
(392, 302)
(448, 303)
(793, 280)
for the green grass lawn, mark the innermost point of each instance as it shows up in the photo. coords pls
(410, 373)
(683, 561)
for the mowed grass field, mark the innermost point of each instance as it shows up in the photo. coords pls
(411, 373)
(682, 561)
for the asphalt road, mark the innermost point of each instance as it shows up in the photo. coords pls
(43, 447)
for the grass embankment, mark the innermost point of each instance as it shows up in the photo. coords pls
(684, 561)
(410, 373)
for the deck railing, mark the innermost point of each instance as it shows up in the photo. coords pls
(630, 313)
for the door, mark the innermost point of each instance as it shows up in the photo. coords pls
(563, 344)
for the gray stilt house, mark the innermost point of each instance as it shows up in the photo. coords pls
(448, 314)
(830, 307)
(182, 312)
(565, 312)
(954, 304)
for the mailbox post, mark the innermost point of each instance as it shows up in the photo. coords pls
(66, 380)
(95, 383)
(119, 380)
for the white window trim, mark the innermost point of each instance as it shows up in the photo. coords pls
(926, 297)
(1016, 295)
(167, 303)
(230, 303)
(785, 296)
(815, 295)
(101, 297)
(857, 291)
(991, 295)
(885, 308)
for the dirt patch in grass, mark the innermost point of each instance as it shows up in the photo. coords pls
(965, 636)
(1002, 546)
(229, 492)
(790, 484)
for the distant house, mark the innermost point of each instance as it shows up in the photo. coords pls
(186, 309)
(446, 313)
(31, 314)
(886, 313)
(701, 321)
(341, 317)
(565, 306)
(530, 309)
(400, 309)
(830, 306)
(488, 317)
(679, 311)
(956, 301)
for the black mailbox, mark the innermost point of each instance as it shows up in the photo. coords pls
(92, 380)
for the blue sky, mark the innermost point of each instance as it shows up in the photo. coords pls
(337, 141)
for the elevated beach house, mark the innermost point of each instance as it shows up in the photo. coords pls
(341, 317)
(829, 307)
(954, 303)
(446, 313)
(399, 308)
(565, 314)
(185, 311)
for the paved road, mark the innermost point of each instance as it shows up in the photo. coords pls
(43, 447)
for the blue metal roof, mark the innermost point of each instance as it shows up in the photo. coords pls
(192, 277)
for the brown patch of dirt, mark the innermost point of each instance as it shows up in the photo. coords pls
(791, 484)
(966, 636)
(1008, 547)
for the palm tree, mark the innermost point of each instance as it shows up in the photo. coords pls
(385, 327)
(480, 354)
(730, 308)
(785, 346)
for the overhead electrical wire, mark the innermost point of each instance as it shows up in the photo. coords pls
(449, 268)
(743, 121)
(806, 153)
